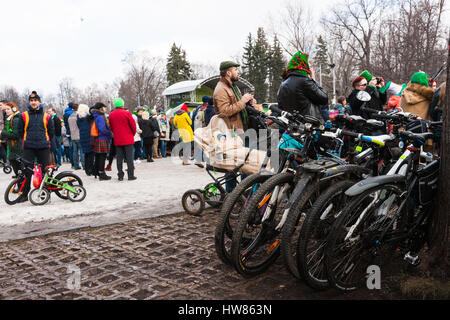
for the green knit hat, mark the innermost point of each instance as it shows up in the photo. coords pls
(420, 78)
(118, 102)
(299, 63)
(366, 74)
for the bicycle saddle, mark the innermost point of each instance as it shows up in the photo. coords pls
(419, 137)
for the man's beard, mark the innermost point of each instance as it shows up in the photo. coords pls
(234, 79)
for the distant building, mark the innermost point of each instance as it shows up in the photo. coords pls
(193, 90)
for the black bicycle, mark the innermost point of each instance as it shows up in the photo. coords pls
(385, 213)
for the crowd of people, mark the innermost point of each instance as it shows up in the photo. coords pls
(89, 138)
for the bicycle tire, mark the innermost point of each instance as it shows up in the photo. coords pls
(7, 169)
(9, 190)
(77, 197)
(248, 221)
(224, 228)
(289, 233)
(62, 193)
(364, 249)
(196, 197)
(314, 232)
(39, 197)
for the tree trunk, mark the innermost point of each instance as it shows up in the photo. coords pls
(440, 227)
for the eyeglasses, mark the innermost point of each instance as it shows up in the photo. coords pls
(363, 85)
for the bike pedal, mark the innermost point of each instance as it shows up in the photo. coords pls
(412, 259)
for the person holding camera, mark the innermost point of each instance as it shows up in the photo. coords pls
(377, 90)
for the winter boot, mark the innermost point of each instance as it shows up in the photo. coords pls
(102, 176)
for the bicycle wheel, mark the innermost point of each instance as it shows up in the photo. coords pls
(355, 243)
(13, 192)
(193, 202)
(39, 197)
(234, 204)
(291, 228)
(79, 196)
(69, 178)
(255, 242)
(314, 232)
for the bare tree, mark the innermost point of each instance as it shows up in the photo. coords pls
(354, 23)
(144, 80)
(441, 220)
(295, 28)
(203, 71)
(67, 91)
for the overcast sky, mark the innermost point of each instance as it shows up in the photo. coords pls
(45, 41)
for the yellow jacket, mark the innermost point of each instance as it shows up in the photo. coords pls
(183, 123)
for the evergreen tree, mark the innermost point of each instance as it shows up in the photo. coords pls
(276, 65)
(247, 59)
(261, 64)
(322, 64)
(178, 68)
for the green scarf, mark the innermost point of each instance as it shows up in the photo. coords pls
(9, 129)
(244, 115)
(300, 64)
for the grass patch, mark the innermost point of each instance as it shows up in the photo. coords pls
(425, 288)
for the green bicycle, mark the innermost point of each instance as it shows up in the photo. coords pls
(41, 195)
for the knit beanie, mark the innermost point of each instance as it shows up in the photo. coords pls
(420, 78)
(366, 74)
(357, 80)
(184, 108)
(118, 102)
(34, 95)
(99, 105)
(300, 64)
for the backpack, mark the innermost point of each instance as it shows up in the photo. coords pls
(94, 129)
(200, 119)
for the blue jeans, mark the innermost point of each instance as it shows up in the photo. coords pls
(163, 147)
(230, 184)
(77, 154)
(57, 152)
(198, 153)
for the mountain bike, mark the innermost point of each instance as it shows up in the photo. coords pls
(386, 213)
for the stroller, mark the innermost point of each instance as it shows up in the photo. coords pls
(226, 155)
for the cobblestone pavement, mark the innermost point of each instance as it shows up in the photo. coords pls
(167, 257)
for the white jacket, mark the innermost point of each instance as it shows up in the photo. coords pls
(137, 136)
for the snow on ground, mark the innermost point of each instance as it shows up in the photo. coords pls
(158, 190)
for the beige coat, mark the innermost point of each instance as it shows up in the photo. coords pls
(416, 99)
(227, 106)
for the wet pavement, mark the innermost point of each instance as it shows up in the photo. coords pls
(166, 257)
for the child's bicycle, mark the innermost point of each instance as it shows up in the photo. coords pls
(214, 194)
(41, 195)
(6, 167)
(63, 184)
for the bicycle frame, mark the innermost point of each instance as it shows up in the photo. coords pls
(398, 173)
(54, 184)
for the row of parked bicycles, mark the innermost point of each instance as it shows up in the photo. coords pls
(346, 196)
